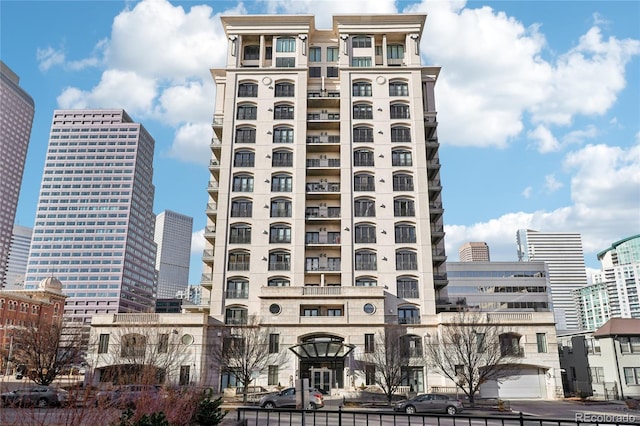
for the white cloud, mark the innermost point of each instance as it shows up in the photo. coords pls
(544, 139)
(197, 242)
(191, 143)
(551, 184)
(580, 135)
(606, 201)
(187, 102)
(49, 57)
(527, 192)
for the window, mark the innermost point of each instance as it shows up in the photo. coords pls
(247, 90)
(632, 375)
(283, 135)
(286, 44)
(285, 62)
(239, 261)
(332, 54)
(237, 288)
(236, 316)
(280, 234)
(403, 208)
(247, 112)
(366, 261)
(280, 208)
(400, 134)
(360, 41)
(242, 184)
(593, 346)
(163, 343)
(272, 379)
(406, 260)
(241, 208)
(361, 61)
(282, 159)
(334, 312)
(541, 342)
(133, 345)
(370, 374)
(405, 233)
(596, 374)
(401, 157)
(251, 53)
(408, 315)
(407, 288)
(274, 343)
(365, 234)
(402, 182)
(284, 90)
(366, 282)
(399, 111)
(245, 135)
(283, 112)
(278, 282)
(362, 112)
(363, 157)
(395, 51)
(629, 345)
(240, 234)
(281, 183)
(244, 159)
(398, 88)
(315, 54)
(362, 88)
(364, 207)
(363, 134)
(369, 343)
(364, 182)
(279, 261)
(103, 344)
(332, 72)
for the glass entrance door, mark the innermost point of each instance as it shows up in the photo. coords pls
(321, 378)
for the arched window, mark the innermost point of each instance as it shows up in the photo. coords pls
(247, 112)
(240, 234)
(280, 207)
(281, 183)
(283, 135)
(245, 135)
(400, 134)
(285, 90)
(366, 260)
(366, 282)
(241, 207)
(398, 88)
(401, 157)
(236, 315)
(365, 233)
(364, 207)
(239, 260)
(283, 112)
(407, 288)
(282, 158)
(237, 288)
(404, 207)
(364, 182)
(402, 182)
(405, 233)
(279, 261)
(399, 111)
(510, 345)
(408, 315)
(244, 158)
(242, 183)
(247, 90)
(278, 282)
(406, 260)
(280, 233)
(363, 158)
(362, 111)
(362, 88)
(362, 134)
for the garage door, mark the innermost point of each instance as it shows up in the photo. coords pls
(529, 384)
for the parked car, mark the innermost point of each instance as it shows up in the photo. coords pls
(128, 395)
(38, 396)
(287, 398)
(430, 402)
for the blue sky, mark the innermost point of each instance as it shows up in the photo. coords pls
(538, 102)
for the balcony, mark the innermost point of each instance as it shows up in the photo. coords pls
(433, 166)
(323, 143)
(279, 266)
(435, 210)
(430, 123)
(323, 99)
(316, 166)
(409, 294)
(237, 293)
(210, 234)
(212, 210)
(214, 186)
(333, 267)
(315, 239)
(323, 188)
(322, 121)
(207, 256)
(238, 266)
(206, 281)
(215, 146)
(216, 124)
(437, 233)
(315, 292)
(322, 213)
(408, 320)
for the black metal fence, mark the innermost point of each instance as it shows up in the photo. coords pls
(253, 416)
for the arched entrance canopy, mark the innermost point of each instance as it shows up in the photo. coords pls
(325, 348)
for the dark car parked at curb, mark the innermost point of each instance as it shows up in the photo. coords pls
(34, 396)
(429, 402)
(287, 398)
(128, 396)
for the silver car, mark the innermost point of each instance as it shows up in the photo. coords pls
(430, 402)
(38, 396)
(287, 398)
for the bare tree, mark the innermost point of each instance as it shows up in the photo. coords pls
(389, 358)
(468, 350)
(46, 350)
(246, 350)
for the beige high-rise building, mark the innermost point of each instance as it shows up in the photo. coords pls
(474, 252)
(325, 215)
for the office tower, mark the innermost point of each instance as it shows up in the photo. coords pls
(16, 116)
(562, 251)
(325, 211)
(593, 305)
(94, 220)
(620, 275)
(173, 238)
(474, 252)
(18, 257)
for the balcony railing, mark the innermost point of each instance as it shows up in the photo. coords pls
(237, 294)
(409, 294)
(240, 239)
(321, 268)
(409, 320)
(323, 116)
(279, 266)
(316, 162)
(515, 351)
(323, 139)
(323, 94)
(323, 187)
(238, 266)
(313, 212)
